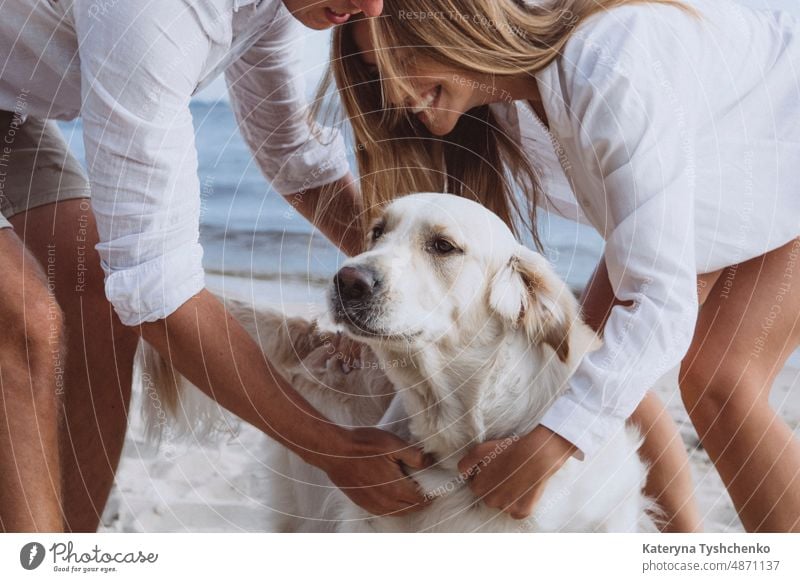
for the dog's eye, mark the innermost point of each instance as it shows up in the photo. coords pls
(377, 232)
(441, 246)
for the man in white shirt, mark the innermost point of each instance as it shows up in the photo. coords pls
(129, 70)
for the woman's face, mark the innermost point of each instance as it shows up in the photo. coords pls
(442, 94)
(321, 14)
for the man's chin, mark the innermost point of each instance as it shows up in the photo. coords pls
(319, 26)
(314, 20)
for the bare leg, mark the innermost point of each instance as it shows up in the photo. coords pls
(746, 330)
(100, 351)
(669, 480)
(30, 350)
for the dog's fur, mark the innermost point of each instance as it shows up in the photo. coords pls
(476, 342)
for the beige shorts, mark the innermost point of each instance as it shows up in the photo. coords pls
(36, 166)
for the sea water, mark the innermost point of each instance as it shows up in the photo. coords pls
(250, 233)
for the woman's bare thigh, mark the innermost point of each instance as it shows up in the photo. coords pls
(750, 323)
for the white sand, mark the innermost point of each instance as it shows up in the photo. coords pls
(196, 487)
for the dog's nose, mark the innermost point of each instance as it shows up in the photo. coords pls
(354, 284)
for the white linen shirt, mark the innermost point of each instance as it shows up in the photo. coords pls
(129, 70)
(678, 139)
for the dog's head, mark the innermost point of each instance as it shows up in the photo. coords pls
(441, 269)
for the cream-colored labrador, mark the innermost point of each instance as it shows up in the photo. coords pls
(471, 336)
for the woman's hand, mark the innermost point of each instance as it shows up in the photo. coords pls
(371, 472)
(511, 474)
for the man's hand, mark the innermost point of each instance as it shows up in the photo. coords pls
(371, 473)
(214, 352)
(511, 474)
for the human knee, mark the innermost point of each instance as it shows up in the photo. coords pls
(34, 329)
(713, 394)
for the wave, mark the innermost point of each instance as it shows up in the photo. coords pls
(318, 281)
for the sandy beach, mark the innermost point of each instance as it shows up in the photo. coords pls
(220, 486)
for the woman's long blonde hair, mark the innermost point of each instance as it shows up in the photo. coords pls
(395, 152)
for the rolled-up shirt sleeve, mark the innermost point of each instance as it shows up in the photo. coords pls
(268, 98)
(637, 137)
(139, 65)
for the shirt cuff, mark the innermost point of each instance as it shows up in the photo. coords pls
(321, 160)
(587, 429)
(154, 290)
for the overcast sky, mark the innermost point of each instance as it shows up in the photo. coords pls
(314, 45)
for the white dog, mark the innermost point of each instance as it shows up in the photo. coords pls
(477, 337)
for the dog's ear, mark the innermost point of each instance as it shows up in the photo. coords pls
(527, 292)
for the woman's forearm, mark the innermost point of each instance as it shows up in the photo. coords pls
(212, 350)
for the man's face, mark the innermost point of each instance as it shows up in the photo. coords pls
(321, 14)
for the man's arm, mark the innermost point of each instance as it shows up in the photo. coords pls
(137, 81)
(212, 350)
(336, 210)
(305, 163)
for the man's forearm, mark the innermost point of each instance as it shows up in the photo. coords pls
(335, 210)
(213, 351)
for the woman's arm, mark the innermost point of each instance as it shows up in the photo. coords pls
(631, 125)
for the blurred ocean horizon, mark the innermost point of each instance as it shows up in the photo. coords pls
(249, 231)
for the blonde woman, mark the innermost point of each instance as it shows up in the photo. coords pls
(674, 130)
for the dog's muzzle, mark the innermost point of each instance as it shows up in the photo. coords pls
(355, 285)
(354, 291)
